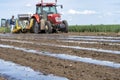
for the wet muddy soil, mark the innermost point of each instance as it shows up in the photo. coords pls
(72, 70)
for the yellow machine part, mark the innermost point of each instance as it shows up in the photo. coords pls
(17, 28)
(30, 25)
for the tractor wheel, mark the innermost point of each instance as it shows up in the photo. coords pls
(35, 27)
(48, 27)
(66, 26)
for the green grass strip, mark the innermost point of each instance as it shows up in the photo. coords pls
(4, 29)
(94, 28)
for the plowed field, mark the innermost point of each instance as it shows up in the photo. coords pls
(76, 56)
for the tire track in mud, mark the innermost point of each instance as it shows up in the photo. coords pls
(68, 45)
(54, 37)
(98, 45)
(49, 43)
(70, 51)
(69, 69)
(95, 38)
(95, 45)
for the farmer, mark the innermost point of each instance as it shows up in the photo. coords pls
(12, 23)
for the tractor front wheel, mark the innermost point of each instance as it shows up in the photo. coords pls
(35, 27)
(48, 27)
(66, 26)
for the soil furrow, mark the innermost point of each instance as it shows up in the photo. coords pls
(98, 45)
(70, 69)
(60, 67)
(58, 50)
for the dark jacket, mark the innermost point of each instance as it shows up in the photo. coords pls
(12, 22)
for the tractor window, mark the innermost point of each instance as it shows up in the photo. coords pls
(50, 9)
(53, 9)
(38, 10)
(46, 9)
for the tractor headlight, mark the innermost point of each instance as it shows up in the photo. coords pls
(58, 19)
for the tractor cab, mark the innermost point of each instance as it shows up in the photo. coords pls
(49, 8)
(50, 11)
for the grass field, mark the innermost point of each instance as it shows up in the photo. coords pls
(4, 29)
(83, 28)
(95, 28)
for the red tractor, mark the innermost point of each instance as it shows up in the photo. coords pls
(47, 19)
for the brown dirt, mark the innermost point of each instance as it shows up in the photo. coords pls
(49, 65)
(58, 50)
(95, 33)
(1, 78)
(102, 45)
(70, 69)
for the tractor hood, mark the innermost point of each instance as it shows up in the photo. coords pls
(54, 18)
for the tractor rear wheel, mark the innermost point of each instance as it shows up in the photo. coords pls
(48, 27)
(66, 26)
(35, 27)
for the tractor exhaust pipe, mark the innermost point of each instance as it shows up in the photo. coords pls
(42, 2)
(56, 1)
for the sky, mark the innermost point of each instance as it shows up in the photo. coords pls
(76, 12)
